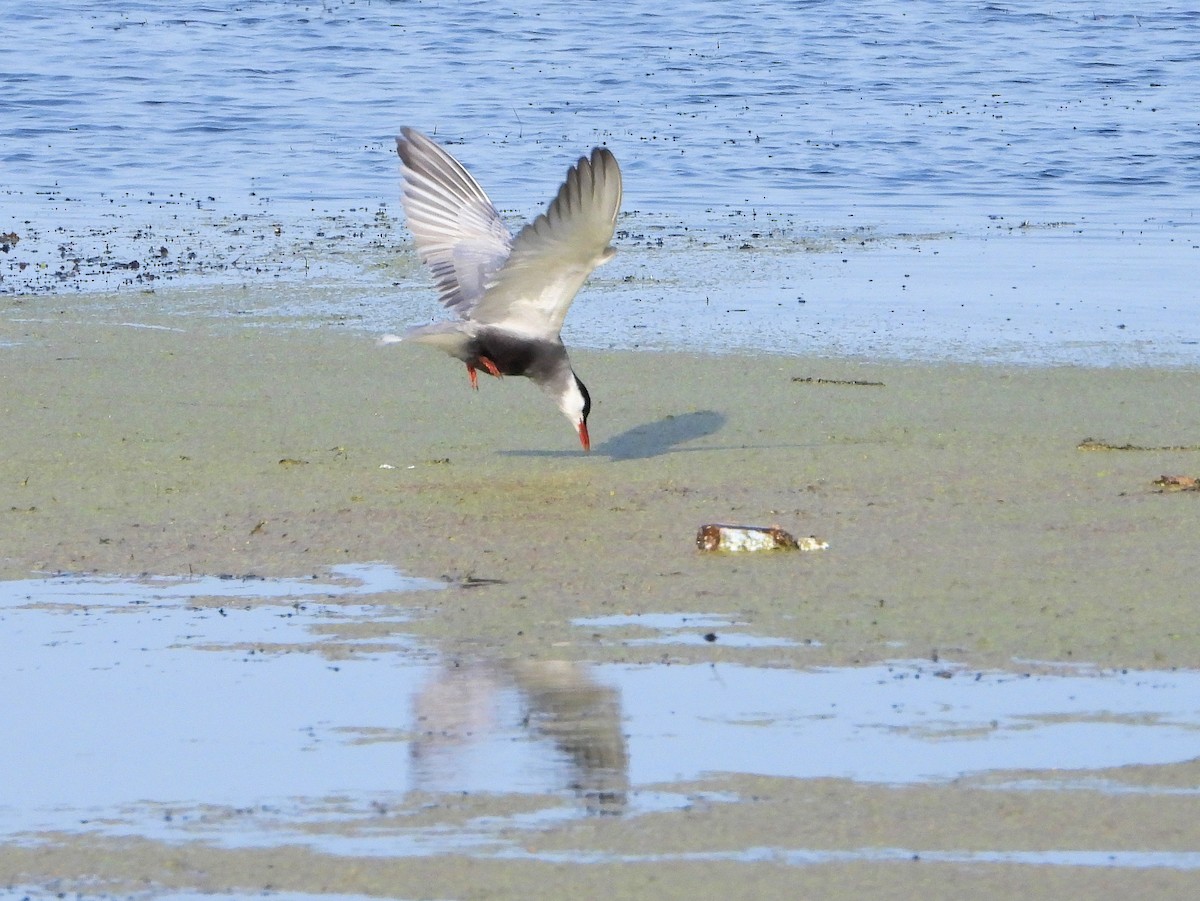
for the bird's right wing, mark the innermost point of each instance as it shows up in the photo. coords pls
(458, 233)
(553, 255)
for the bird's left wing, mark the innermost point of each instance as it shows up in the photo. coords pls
(457, 231)
(553, 255)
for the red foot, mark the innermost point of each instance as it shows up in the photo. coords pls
(472, 376)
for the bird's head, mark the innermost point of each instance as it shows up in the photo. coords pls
(576, 404)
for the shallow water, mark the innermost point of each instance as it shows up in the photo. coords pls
(932, 180)
(770, 102)
(344, 727)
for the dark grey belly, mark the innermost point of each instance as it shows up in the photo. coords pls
(514, 355)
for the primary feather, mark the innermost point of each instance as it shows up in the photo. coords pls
(457, 230)
(524, 284)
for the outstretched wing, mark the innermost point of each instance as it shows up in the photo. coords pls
(458, 233)
(553, 255)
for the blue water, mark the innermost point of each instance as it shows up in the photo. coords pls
(252, 143)
(350, 730)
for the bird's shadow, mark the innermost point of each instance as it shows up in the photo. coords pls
(651, 439)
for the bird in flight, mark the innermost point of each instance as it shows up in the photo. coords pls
(509, 292)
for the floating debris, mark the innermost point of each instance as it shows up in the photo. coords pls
(470, 581)
(1178, 483)
(812, 380)
(1092, 444)
(717, 537)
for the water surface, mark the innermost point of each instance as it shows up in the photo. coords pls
(932, 180)
(122, 697)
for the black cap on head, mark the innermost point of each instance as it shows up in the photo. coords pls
(587, 398)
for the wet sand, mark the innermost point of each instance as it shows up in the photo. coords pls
(963, 521)
(962, 517)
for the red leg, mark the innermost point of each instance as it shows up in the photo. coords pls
(472, 376)
(491, 367)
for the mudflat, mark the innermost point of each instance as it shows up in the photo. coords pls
(986, 514)
(962, 515)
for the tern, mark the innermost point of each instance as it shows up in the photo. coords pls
(509, 292)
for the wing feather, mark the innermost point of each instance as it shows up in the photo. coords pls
(553, 255)
(457, 231)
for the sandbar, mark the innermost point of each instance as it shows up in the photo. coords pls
(998, 516)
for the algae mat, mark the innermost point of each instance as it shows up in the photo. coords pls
(961, 513)
(969, 518)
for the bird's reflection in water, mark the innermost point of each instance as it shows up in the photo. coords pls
(464, 707)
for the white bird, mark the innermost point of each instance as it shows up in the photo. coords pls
(510, 293)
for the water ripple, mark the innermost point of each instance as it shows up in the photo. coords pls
(875, 108)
